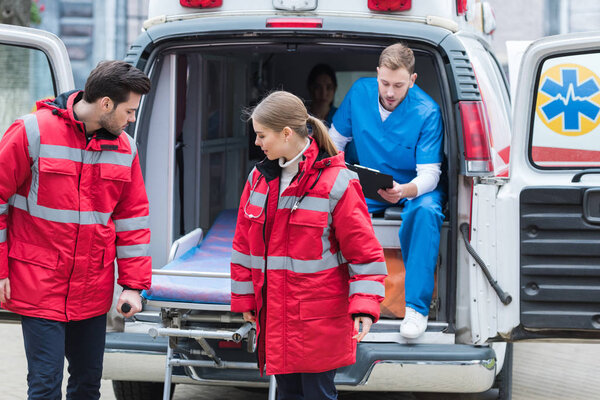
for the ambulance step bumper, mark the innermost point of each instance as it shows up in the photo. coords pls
(379, 367)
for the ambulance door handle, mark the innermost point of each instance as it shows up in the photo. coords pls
(577, 176)
(504, 297)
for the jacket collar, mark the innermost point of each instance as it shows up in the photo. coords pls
(62, 106)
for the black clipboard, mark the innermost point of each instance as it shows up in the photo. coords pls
(371, 181)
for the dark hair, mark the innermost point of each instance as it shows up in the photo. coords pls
(280, 109)
(116, 80)
(318, 70)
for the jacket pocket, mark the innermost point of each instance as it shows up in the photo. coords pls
(305, 234)
(324, 308)
(32, 254)
(115, 172)
(55, 166)
(58, 182)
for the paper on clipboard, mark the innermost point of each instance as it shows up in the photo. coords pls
(371, 181)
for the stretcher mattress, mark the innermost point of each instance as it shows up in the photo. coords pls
(213, 254)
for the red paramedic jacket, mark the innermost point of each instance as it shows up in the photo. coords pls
(305, 263)
(67, 209)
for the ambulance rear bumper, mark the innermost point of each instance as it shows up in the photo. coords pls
(379, 367)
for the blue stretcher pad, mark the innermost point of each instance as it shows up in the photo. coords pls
(213, 254)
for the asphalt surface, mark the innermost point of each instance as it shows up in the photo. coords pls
(542, 371)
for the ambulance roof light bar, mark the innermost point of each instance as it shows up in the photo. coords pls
(201, 3)
(390, 5)
(475, 138)
(294, 23)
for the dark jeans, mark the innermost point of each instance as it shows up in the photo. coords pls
(48, 342)
(306, 386)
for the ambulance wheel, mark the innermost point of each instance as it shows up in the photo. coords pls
(134, 390)
(504, 378)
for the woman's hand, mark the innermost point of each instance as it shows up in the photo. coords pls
(366, 324)
(249, 316)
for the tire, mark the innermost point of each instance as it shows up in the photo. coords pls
(504, 378)
(134, 390)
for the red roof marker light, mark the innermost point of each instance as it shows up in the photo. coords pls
(390, 5)
(201, 3)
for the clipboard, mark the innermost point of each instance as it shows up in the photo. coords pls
(371, 181)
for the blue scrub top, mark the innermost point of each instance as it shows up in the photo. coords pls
(411, 135)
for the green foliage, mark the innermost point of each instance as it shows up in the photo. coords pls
(35, 14)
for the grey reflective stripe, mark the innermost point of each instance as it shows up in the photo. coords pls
(303, 266)
(2, 235)
(87, 157)
(257, 199)
(132, 224)
(136, 250)
(367, 287)
(250, 176)
(3, 208)
(374, 268)
(339, 186)
(257, 262)
(133, 147)
(308, 203)
(241, 259)
(242, 287)
(61, 152)
(33, 135)
(55, 215)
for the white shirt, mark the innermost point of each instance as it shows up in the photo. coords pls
(290, 169)
(428, 175)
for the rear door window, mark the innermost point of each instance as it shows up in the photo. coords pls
(26, 77)
(565, 126)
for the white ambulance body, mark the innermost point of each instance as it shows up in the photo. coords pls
(523, 191)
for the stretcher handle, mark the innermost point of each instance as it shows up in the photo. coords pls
(125, 308)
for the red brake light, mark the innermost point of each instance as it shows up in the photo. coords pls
(461, 7)
(475, 135)
(390, 5)
(294, 23)
(201, 3)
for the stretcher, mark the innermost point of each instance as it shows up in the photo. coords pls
(193, 292)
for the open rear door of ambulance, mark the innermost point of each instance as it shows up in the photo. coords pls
(548, 212)
(35, 65)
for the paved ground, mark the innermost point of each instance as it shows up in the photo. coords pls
(542, 371)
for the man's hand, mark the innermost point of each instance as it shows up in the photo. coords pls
(397, 192)
(133, 298)
(249, 316)
(4, 290)
(366, 324)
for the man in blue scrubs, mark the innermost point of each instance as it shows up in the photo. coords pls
(397, 129)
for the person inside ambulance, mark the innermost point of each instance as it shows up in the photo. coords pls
(321, 85)
(397, 129)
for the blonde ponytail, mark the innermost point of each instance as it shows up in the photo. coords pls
(280, 109)
(321, 136)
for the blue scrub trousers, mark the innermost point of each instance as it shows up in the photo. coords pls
(48, 342)
(306, 386)
(422, 219)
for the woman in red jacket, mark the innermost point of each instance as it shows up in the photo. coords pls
(305, 266)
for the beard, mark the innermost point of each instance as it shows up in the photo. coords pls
(109, 123)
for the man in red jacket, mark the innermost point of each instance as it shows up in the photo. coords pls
(72, 199)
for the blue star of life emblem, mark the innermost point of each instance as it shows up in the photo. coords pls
(570, 98)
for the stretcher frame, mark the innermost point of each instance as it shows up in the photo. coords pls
(174, 315)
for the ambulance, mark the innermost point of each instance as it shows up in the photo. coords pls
(520, 252)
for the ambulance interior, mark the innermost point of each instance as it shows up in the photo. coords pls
(208, 87)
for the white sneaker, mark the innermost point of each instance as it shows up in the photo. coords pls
(414, 324)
